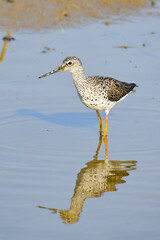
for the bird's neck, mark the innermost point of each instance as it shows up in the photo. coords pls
(79, 76)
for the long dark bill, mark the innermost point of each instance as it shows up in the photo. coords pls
(53, 71)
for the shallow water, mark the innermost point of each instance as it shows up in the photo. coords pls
(49, 139)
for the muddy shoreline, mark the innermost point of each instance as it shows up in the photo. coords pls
(50, 14)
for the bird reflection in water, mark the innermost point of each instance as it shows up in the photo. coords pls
(92, 181)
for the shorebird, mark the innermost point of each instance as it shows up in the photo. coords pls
(96, 92)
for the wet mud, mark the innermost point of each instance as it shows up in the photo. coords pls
(37, 15)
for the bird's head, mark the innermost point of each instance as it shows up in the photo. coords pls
(70, 64)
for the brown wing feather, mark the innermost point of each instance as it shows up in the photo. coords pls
(117, 90)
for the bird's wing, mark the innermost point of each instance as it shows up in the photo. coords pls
(116, 89)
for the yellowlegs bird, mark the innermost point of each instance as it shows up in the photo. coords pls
(96, 92)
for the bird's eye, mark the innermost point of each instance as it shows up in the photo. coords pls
(70, 63)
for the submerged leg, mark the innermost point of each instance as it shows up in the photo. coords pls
(98, 148)
(106, 146)
(100, 121)
(106, 127)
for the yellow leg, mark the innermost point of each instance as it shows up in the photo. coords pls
(98, 148)
(100, 121)
(3, 50)
(106, 127)
(106, 146)
(4, 47)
